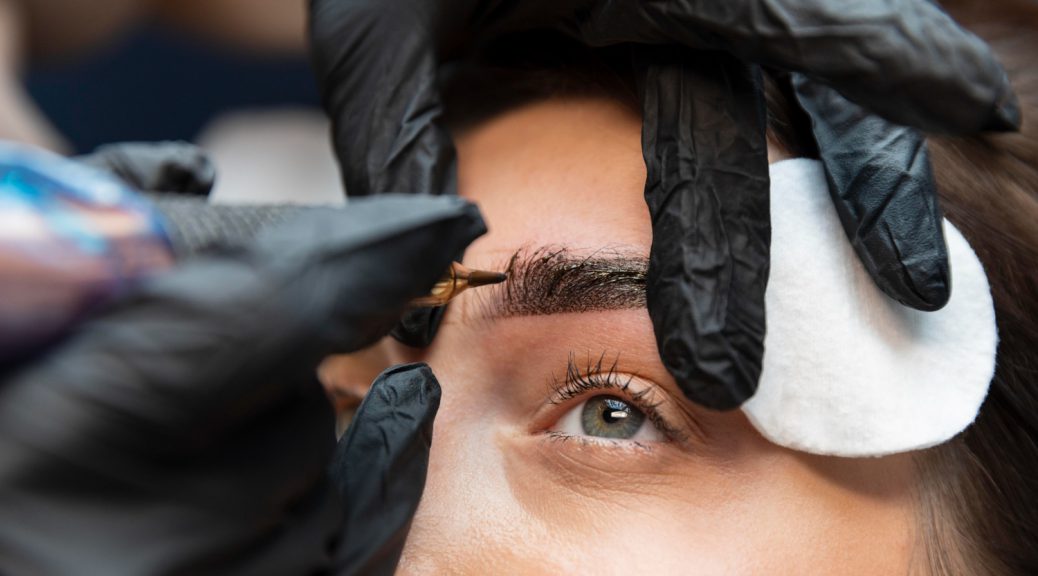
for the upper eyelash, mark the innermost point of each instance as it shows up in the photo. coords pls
(596, 376)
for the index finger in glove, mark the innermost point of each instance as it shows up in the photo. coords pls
(176, 167)
(945, 78)
(208, 345)
(883, 188)
(707, 191)
(376, 64)
(380, 466)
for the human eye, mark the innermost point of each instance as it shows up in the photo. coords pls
(604, 406)
(610, 417)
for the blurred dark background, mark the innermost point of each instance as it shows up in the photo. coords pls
(155, 83)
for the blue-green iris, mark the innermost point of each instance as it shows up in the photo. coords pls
(610, 417)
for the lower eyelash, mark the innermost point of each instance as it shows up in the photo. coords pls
(589, 441)
(597, 377)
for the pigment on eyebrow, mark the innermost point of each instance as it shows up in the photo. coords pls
(554, 280)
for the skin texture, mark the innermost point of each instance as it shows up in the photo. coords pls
(504, 496)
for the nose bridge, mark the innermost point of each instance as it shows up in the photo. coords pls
(464, 462)
(466, 497)
(440, 520)
(447, 452)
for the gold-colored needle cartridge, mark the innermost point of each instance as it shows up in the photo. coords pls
(457, 279)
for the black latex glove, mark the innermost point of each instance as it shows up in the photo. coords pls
(377, 62)
(182, 430)
(60, 282)
(709, 262)
(390, 434)
(882, 185)
(177, 167)
(176, 177)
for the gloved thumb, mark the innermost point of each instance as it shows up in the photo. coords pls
(379, 468)
(176, 167)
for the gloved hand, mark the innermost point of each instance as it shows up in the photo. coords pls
(182, 430)
(83, 237)
(73, 238)
(377, 62)
(176, 178)
(169, 167)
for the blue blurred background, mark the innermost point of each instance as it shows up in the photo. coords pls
(158, 84)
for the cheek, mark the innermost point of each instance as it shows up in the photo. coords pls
(504, 514)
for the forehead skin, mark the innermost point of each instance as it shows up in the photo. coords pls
(501, 499)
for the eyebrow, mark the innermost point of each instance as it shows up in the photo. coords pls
(555, 280)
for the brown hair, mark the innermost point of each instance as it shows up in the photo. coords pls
(978, 493)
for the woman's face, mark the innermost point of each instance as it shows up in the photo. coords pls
(562, 445)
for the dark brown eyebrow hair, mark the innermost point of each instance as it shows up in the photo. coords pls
(555, 280)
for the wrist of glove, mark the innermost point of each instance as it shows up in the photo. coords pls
(95, 238)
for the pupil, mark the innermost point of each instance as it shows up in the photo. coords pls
(614, 411)
(611, 417)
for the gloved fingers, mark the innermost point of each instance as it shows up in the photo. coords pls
(176, 167)
(75, 496)
(418, 327)
(884, 191)
(79, 237)
(195, 227)
(708, 196)
(380, 466)
(196, 399)
(376, 64)
(946, 79)
(210, 344)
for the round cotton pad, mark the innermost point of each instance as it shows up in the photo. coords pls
(847, 370)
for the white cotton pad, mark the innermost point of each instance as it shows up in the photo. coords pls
(847, 370)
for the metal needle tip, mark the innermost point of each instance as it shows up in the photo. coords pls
(485, 278)
(457, 279)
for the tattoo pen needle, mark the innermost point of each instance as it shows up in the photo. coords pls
(457, 279)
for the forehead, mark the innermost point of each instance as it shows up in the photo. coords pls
(560, 172)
